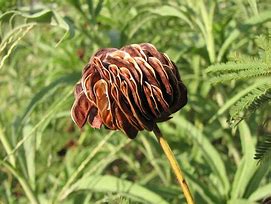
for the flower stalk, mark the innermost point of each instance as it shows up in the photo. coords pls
(174, 165)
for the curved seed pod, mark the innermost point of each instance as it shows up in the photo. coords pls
(128, 89)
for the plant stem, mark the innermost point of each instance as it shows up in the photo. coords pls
(174, 164)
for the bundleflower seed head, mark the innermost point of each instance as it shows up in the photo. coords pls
(128, 89)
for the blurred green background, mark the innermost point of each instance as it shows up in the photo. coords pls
(45, 158)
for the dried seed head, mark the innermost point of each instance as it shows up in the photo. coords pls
(128, 89)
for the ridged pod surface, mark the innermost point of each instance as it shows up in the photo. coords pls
(128, 89)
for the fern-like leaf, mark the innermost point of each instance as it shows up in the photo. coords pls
(263, 151)
(233, 71)
(233, 66)
(247, 67)
(244, 67)
(251, 102)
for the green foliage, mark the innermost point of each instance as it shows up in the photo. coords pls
(244, 67)
(235, 71)
(263, 152)
(44, 158)
(109, 184)
(252, 101)
(257, 69)
(15, 25)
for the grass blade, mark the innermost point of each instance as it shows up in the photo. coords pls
(106, 183)
(83, 165)
(28, 191)
(247, 166)
(208, 151)
(261, 193)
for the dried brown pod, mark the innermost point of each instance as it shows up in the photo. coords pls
(128, 89)
(131, 89)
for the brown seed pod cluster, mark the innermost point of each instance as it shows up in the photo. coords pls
(128, 89)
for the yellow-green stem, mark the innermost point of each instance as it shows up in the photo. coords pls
(174, 165)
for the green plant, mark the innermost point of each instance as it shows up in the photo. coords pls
(256, 72)
(263, 151)
(41, 148)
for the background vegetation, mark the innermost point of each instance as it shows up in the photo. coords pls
(46, 159)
